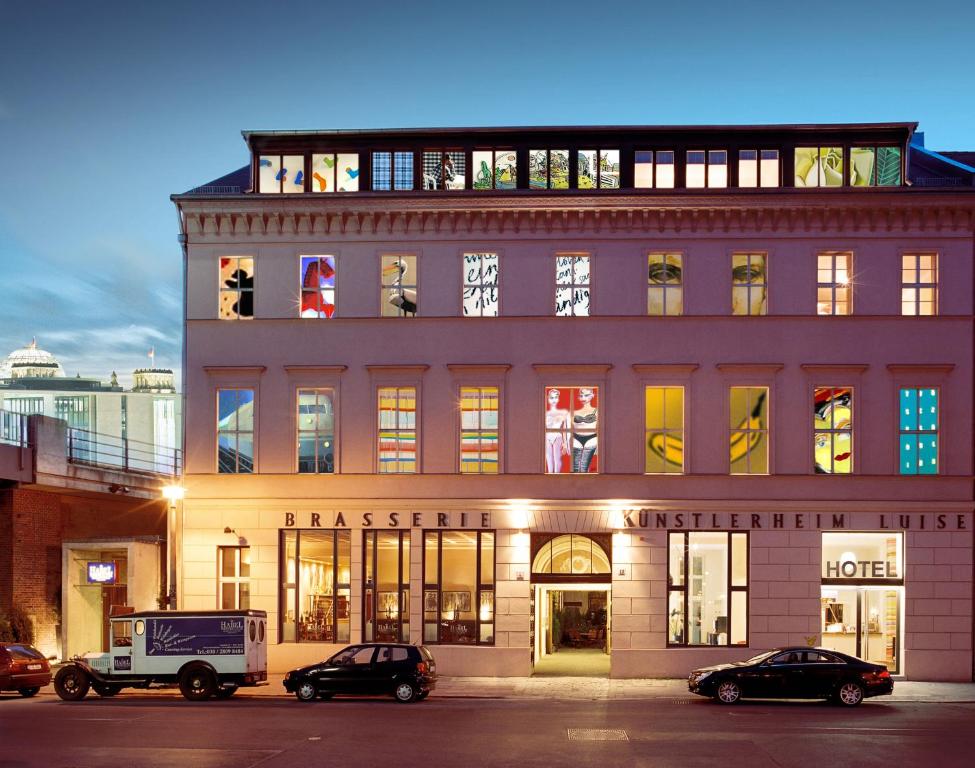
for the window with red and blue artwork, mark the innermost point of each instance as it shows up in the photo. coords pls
(317, 286)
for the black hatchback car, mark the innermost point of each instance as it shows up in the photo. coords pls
(406, 672)
(794, 673)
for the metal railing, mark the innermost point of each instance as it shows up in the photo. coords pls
(215, 189)
(95, 450)
(940, 181)
(13, 428)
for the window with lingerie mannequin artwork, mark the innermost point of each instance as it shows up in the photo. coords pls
(571, 430)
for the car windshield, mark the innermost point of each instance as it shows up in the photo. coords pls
(761, 657)
(24, 652)
(425, 653)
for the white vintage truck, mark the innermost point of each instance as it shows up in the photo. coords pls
(206, 653)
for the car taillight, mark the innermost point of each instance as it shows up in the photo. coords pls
(883, 674)
(422, 668)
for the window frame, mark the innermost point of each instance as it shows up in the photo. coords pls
(708, 166)
(480, 430)
(481, 285)
(572, 286)
(284, 585)
(480, 587)
(599, 151)
(403, 591)
(599, 432)
(316, 433)
(873, 171)
(750, 287)
(495, 152)
(236, 579)
(25, 406)
(236, 432)
(258, 158)
(833, 431)
(664, 288)
(384, 290)
(760, 180)
(239, 292)
(399, 168)
(398, 431)
(917, 286)
(833, 285)
(936, 433)
(767, 431)
(664, 430)
(302, 290)
(548, 168)
(654, 167)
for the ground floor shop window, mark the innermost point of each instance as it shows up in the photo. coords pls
(386, 588)
(458, 587)
(315, 586)
(707, 602)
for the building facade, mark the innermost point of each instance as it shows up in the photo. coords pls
(646, 397)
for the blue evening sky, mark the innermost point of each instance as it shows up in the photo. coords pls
(106, 108)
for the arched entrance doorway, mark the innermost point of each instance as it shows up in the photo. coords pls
(571, 590)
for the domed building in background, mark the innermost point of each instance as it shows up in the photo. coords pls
(30, 362)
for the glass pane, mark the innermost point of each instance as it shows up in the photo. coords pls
(880, 626)
(317, 286)
(806, 167)
(347, 169)
(483, 169)
(289, 580)
(323, 173)
(293, 173)
(739, 618)
(538, 168)
(747, 168)
(748, 284)
(609, 169)
(888, 167)
(430, 573)
(588, 160)
(563, 270)
(862, 166)
(506, 170)
(228, 562)
(643, 170)
(675, 617)
(831, 166)
(269, 173)
(717, 168)
(676, 559)
(487, 562)
(403, 170)
(708, 588)
(382, 171)
(399, 288)
(665, 170)
(245, 562)
(739, 560)
(695, 169)
(228, 596)
(770, 167)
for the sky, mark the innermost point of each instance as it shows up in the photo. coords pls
(108, 108)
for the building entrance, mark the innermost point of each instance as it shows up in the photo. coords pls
(572, 630)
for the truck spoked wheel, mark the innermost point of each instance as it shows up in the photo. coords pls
(197, 684)
(72, 683)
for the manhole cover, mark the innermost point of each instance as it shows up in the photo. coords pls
(597, 734)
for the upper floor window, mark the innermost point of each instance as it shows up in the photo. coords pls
(572, 285)
(281, 173)
(235, 431)
(317, 286)
(571, 430)
(335, 172)
(653, 169)
(665, 284)
(748, 425)
(548, 168)
(479, 438)
(24, 405)
(397, 430)
(316, 431)
(444, 169)
(707, 169)
(392, 171)
(918, 431)
(833, 430)
(480, 297)
(495, 169)
(399, 290)
(919, 284)
(875, 166)
(236, 288)
(819, 166)
(74, 409)
(758, 168)
(233, 578)
(833, 294)
(748, 284)
(664, 430)
(599, 169)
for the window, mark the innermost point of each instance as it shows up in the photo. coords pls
(571, 430)
(919, 284)
(281, 173)
(707, 601)
(707, 169)
(570, 555)
(572, 285)
(481, 297)
(495, 169)
(444, 169)
(548, 168)
(235, 431)
(665, 284)
(479, 430)
(875, 166)
(749, 431)
(833, 294)
(316, 431)
(833, 430)
(664, 430)
(331, 172)
(233, 578)
(317, 286)
(758, 168)
(819, 166)
(397, 429)
(748, 284)
(74, 409)
(599, 169)
(648, 174)
(164, 434)
(392, 171)
(399, 291)
(386, 589)
(919, 431)
(458, 587)
(315, 585)
(236, 288)
(24, 405)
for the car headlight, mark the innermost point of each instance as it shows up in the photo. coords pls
(699, 676)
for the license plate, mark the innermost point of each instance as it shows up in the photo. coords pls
(35, 666)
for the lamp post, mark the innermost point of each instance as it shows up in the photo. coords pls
(174, 495)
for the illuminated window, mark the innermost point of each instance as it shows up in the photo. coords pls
(481, 297)
(235, 431)
(819, 166)
(495, 169)
(571, 430)
(479, 430)
(386, 587)
(316, 568)
(665, 284)
(331, 172)
(833, 430)
(548, 168)
(599, 169)
(833, 291)
(748, 284)
(664, 430)
(919, 284)
(707, 169)
(233, 578)
(316, 431)
(458, 587)
(399, 288)
(748, 431)
(919, 431)
(572, 285)
(653, 169)
(444, 169)
(281, 174)
(875, 166)
(707, 602)
(571, 554)
(392, 171)
(317, 286)
(758, 168)
(236, 288)
(397, 430)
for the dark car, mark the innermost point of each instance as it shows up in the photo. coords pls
(23, 668)
(794, 673)
(406, 672)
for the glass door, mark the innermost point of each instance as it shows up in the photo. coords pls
(863, 622)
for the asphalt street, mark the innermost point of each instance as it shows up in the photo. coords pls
(163, 731)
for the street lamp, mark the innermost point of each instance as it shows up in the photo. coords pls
(173, 494)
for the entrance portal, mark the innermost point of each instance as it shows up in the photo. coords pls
(572, 630)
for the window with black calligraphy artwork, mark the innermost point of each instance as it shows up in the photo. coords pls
(481, 297)
(572, 285)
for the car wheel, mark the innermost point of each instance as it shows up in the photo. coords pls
(849, 694)
(405, 693)
(72, 683)
(197, 684)
(28, 692)
(226, 691)
(306, 691)
(104, 690)
(728, 692)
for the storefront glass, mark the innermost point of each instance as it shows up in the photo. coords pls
(458, 589)
(386, 591)
(315, 590)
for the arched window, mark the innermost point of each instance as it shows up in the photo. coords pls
(571, 555)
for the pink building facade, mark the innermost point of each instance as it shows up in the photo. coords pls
(655, 397)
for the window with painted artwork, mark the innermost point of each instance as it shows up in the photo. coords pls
(571, 430)
(495, 168)
(236, 300)
(819, 167)
(235, 431)
(599, 168)
(277, 174)
(444, 169)
(392, 171)
(833, 430)
(479, 439)
(399, 286)
(548, 168)
(316, 431)
(664, 430)
(749, 284)
(332, 172)
(317, 286)
(665, 284)
(919, 439)
(748, 430)
(397, 430)
(481, 297)
(875, 166)
(572, 285)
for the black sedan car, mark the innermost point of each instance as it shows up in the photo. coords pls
(406, 672)
(794, 673)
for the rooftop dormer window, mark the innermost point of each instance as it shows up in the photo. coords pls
(495, 169)
(392, 171)
(819, 167)
(707, 169)
(548, 168)
(653, 169)
(758, 168)
(875, 166)
(281, 174)
(444, 169)
(335, 172)
(599, 169)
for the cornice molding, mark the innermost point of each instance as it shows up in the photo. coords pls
(410, 369)
(315, 369)
(840, 369)
(573, 369)
(478, 367)
(754, 369)
(665, 369)
(921, 367)
(234, 370)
